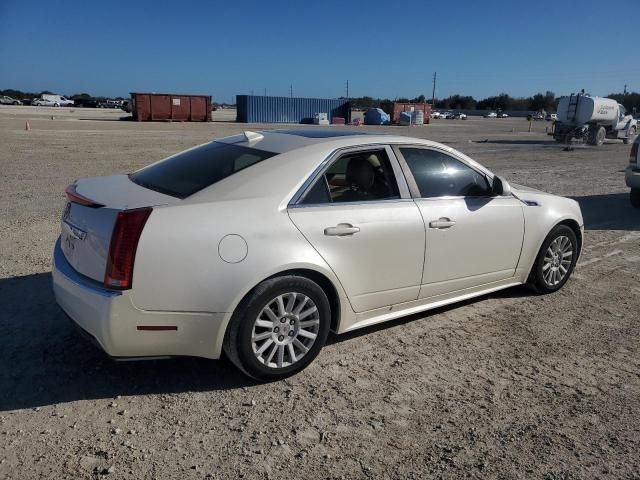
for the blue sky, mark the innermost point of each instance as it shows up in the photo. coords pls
(386, 49)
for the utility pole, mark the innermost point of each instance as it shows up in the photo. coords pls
(291, 90)
(433, 94)
(347, 89)
(625, 88)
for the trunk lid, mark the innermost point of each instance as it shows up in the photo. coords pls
(86, 231)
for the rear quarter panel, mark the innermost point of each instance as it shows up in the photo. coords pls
(178, 266)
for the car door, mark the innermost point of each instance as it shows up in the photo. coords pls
(473, 236)
(358, 214)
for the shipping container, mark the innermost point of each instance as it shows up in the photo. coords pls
(395, 108)
(260, 109)
(170, 107)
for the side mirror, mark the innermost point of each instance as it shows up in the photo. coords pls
(500, 186)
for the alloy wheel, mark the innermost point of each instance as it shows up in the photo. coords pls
(285, 330)
(557, 261)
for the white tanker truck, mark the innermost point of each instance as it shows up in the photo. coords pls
(592, 119)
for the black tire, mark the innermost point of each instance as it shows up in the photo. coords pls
(536, 277)
(634, 196)
(238, 345)
(631, 137)
(596, 136)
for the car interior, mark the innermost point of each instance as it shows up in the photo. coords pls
(356, 177)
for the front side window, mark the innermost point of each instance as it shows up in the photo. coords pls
(189, 172)
(355, 177)
(440, 175)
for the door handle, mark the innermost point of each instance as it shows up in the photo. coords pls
(341, 230)
(442, 223)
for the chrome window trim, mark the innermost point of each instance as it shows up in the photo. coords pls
(403, 187)
(341, 204)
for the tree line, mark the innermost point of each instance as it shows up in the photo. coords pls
(540, 101)
(20, 95)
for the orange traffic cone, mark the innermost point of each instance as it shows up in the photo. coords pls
(27, 126)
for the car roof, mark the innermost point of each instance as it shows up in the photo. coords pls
(298, 155)
(286, 140)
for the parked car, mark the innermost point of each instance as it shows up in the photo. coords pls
(43, 102)
(110, 104)
(538, 116)
(502, 115)
(490, 115)
(47, 100)
(447, 115)
(459, 116)
(259, 244)
(551, 117)
(632, 174)
(436, 114)
(5, 100)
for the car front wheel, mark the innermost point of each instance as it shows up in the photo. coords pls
(556, 260)
(279, 328)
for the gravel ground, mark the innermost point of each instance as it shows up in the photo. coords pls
(512, 385)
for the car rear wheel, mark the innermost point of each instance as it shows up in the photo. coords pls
(279, 328)
(555, 261)
(634, 196)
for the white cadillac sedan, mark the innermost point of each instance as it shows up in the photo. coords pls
(257, 245)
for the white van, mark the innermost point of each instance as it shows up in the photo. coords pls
(53, 101)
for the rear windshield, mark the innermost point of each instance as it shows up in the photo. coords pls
(189, 172)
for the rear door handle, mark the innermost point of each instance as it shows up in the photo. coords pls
(442, 223)
(341, 230)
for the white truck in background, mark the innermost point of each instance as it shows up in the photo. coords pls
(593, 119)
(48, 100)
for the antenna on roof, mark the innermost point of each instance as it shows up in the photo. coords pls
(253, 136)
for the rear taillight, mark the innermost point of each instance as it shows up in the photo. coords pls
(122, 250)
(75, 197)
(633, 158)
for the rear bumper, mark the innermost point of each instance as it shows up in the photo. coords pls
(113, 321)
(632, 176)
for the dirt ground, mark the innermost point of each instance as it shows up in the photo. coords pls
(512, 385)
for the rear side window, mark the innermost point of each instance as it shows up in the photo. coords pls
(189, 172)
(355, 177)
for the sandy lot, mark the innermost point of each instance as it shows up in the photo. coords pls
(512, 385)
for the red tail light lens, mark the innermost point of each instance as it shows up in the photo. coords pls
(75, 197)
(634, 153)
(122, 250)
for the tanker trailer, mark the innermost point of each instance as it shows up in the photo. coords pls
(592, 119)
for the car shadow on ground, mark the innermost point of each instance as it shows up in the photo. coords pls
(46, 361)
(610, 211)
(521, 291)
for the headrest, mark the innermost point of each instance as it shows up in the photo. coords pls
(360, 173)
